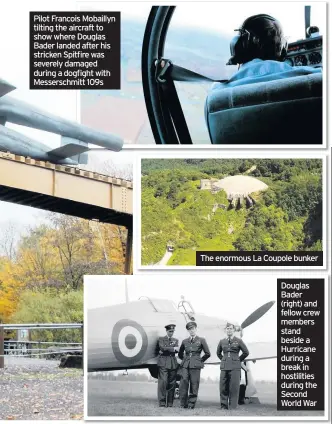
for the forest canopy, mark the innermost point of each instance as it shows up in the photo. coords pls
(176, 211)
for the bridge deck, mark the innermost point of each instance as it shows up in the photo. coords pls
(65, 189)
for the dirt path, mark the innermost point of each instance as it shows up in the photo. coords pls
(165, 258)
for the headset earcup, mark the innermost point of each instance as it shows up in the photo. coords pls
(234, 47)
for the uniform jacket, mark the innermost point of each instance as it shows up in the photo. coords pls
(258, 70)
(228, 353)
(166, 349)
(190, 353)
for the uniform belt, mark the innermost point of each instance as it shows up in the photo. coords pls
(168, 354)
(194, 354)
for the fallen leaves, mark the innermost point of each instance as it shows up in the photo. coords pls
(33, 389)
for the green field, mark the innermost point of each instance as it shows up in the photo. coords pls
(131, 399)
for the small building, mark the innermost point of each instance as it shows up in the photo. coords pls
(207, 184)
(170, 247)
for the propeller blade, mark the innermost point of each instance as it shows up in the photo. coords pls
(257, 314)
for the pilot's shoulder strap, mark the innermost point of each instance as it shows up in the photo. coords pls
(178, 73)
(166, 73)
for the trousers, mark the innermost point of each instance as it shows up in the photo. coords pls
(229, 388)
(166, 385)
(189, 380)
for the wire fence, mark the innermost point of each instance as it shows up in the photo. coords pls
(38, 348)
(52, 349)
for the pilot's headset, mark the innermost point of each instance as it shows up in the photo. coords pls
(250, 41)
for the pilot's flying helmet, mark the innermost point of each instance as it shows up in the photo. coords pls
(260, 37)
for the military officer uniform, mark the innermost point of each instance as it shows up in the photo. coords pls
(230, 370)
(167, 368)
(192, 363)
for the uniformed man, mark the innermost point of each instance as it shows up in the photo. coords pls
(167, 347)
(192, 363)
(230, 367)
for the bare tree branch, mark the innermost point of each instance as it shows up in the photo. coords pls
(8, 238)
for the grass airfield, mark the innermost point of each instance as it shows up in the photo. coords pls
(134, 399)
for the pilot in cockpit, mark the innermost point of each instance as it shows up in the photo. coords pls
(260, 50)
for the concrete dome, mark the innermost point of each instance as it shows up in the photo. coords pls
(240, 185)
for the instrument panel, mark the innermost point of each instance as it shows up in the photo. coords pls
(308, 52)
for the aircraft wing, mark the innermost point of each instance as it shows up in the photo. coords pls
(68, 150)
(262, 350)
(257, 351)
(152, 361)
(21, 113)
(5, 87)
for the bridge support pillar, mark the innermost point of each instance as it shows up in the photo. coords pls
(129, 250)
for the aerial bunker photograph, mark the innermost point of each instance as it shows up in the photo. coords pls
(262, 205)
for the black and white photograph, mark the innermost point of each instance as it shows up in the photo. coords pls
(181, 345)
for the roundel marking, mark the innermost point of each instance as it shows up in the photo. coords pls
(129, 341)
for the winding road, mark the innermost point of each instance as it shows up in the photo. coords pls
(167, 256)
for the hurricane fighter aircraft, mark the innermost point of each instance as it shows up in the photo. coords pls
(74, 136)
(124, 336)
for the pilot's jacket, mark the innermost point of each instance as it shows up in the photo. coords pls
(192, 358)
(230, 370)
(259, 70)
(192, 363)
(166, 352)
(228, 353)
(167, 369)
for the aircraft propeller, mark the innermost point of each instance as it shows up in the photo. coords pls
(257, 314)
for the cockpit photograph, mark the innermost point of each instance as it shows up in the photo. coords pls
(216, 73)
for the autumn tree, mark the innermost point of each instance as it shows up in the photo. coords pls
(56, 254)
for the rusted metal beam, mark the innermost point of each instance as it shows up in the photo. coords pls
(129, 250)
(65, 189)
